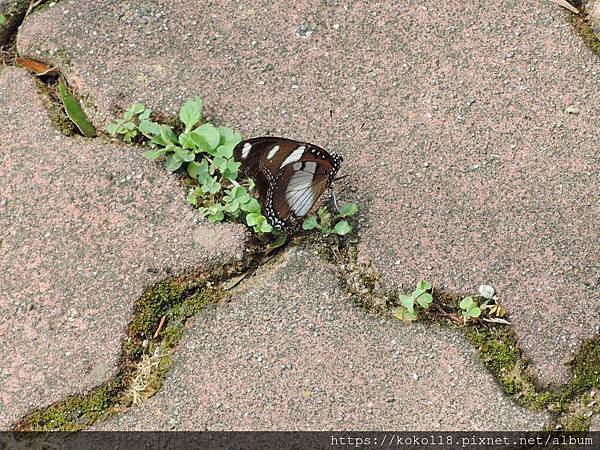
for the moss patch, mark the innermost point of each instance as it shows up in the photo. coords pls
(501, 355)
(176, 300)
(586, 367)
(76, 412)
(584, 27)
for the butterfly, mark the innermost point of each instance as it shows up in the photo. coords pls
(290, 176)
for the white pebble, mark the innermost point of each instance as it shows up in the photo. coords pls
(486, 291)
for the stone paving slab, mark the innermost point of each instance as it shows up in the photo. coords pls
(289, 352)
(85, 227)
(451, 117)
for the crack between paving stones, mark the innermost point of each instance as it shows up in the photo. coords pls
(186, 296)
(570, 405)
(497, 347)
(157, 327)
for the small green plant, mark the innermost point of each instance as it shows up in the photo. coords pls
(420, 298)
(2, 19)
(127, 127)
(469, 308)
(206, 154)
(331, 224)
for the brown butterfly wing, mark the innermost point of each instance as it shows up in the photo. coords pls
(261, 157)
(297, 189)
(290, 176)
(263, 154)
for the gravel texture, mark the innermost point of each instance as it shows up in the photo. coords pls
(85, 227)
(595, 423)
(452, 118)
(289, 352)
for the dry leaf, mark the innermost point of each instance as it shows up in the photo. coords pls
(497, 320)
(234, 281)
(36, 67)
(566, 4)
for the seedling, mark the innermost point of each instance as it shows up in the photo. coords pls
(469, 308)
(420, 299)
(331, 224)
(127, 127)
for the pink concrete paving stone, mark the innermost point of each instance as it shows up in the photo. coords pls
(289, 352)
(468, 166)
(85, 227)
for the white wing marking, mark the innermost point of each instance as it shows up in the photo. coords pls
(272, 152)
(246, 150)
(294, 156)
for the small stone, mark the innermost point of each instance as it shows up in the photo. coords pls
(486, 291)
(336, 26)
(415, 376)
(304, 30)
(572, 110)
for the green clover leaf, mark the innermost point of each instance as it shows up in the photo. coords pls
(310, 223)
(342, 228)
(348, 209)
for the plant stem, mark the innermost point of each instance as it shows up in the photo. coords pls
(208, 158)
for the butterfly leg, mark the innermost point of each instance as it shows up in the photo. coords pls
(335, 203)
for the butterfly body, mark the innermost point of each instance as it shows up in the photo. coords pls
(290, 176)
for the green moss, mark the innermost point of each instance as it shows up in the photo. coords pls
(576, 423)
(160, 300)
(155, 302)
(76, 412)
(502, 357)
(177, 300)
(158, 376)
(586, 367)
(587, 33)
(190, 306)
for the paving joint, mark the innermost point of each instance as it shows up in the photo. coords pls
(497, 347)
(157, 327)
(584, 27)
(571, 405)
(160, 316)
